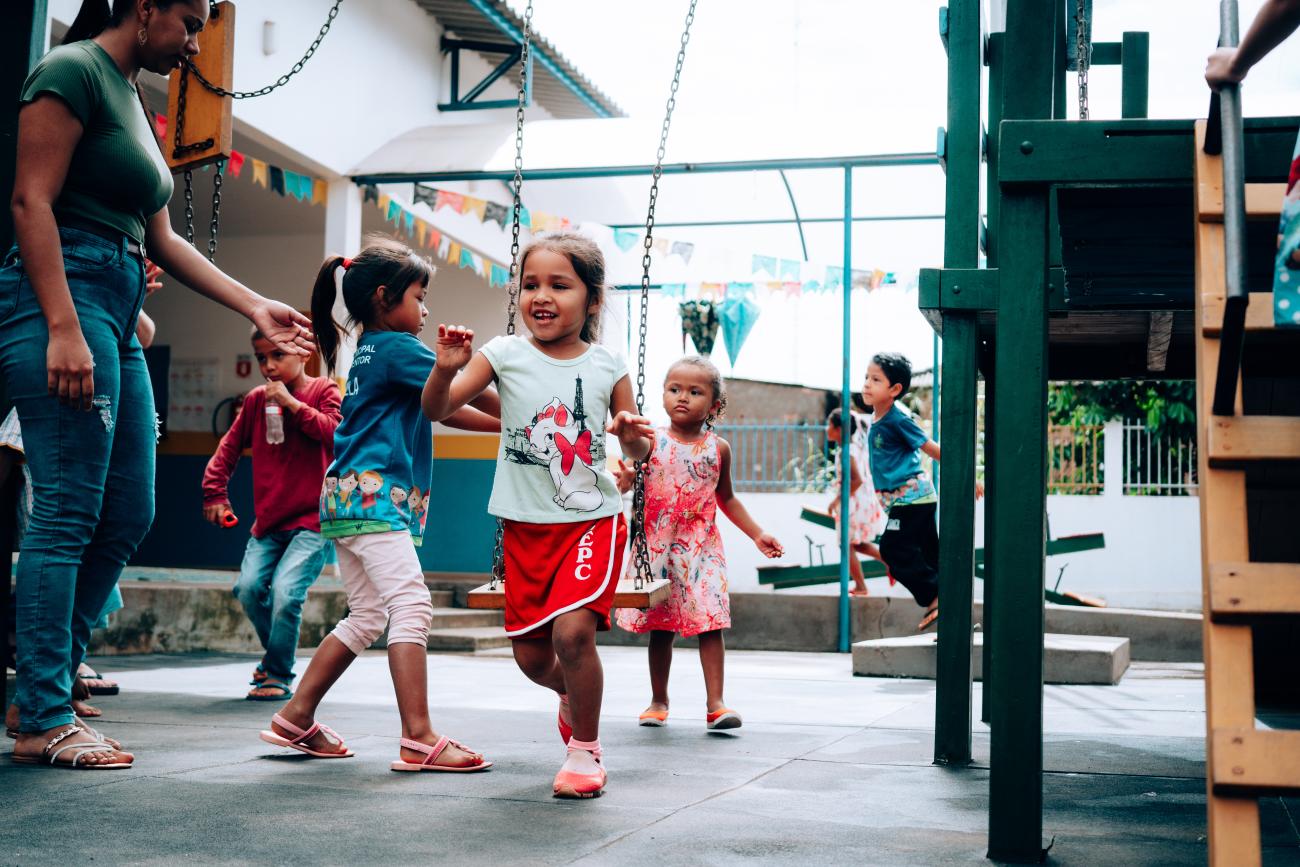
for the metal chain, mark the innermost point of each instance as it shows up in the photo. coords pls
(216, 211)
(512, 307)
(179, 148)
(1082, 53)
(283, 79)
(640, 550)
(189, 206)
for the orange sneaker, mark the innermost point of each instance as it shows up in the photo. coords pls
(576, 784)
(723, 718)
(655, 718)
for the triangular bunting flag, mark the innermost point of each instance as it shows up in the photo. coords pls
(408, 223)
(661, 246)
(625, 239)
(425, 195)
(496, 213)
(370, 193)
(834, 279)
(466, 258)
(453, 252)
(474, 207)
(444, 247)
(765, 265)
(789, 270)
(319, 191)
(499, 276)
(683, 249)
(277, 179)
(435, 237)
(394, 213)
(421, 229)
(236, 164)
(260, 176)
(738, 317)
(455, 201)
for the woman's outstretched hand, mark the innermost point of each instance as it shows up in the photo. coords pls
(1220, 69)
(283, 326)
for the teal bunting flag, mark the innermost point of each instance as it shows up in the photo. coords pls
(789, 270)
(499, 276)
(466, 258)
(525, 218)
(739, 313)
(394, 214)
(408, 222)
(812, 286)
(293, 184)
(764, 264)
(834, 279)
(673, 290)
(739, 290)
(626, 239)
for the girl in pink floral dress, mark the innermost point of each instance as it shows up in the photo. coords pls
(866, 515)
(688, 478)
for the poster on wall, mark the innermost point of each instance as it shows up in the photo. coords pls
(192, 393)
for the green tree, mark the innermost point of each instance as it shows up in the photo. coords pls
(1167, 406)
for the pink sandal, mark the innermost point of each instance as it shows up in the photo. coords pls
(301, 736)
(564, 725)
(431, 754)
(570, 784)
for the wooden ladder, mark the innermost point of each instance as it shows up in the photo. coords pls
(1243, 762)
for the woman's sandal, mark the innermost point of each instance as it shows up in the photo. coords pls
(268, 683)
(431, 754)
(653, 718)
(87, 675)
(301, 736)
(51, 755)
(930, 617)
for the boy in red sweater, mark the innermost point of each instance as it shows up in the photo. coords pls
(285, 553)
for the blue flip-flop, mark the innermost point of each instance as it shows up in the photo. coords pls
(285, 692)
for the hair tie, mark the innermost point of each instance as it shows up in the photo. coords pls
(347, 263)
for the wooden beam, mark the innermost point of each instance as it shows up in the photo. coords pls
(1160, 333)
(1238, 589)
(207, 115)
(1257, 761)
(1253, 438)
(1263, 202)
(1259, 314)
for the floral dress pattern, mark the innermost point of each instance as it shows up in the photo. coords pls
(683, 538)
(866, 514)
(1286, 268)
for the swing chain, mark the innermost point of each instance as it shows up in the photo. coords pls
(189, 206)
(1082, 53)
(517, 184)
(216, 211)
(640, 549)
(283, 79)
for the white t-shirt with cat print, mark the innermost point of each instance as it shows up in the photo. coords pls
(551, 466)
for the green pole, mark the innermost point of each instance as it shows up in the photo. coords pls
(846, 419)
(1020, 457)
(954, 402)
(1135, 69)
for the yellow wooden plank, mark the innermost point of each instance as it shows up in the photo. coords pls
(1259, 313)
(1253, 438)
(1233, 822)
(1257, 760)
(461, 447)
(207, 116)
(1263, 202)
(626, 596)
(1254, 588)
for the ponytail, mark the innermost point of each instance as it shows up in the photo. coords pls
(323, 324)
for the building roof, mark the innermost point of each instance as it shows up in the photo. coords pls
(557, 84)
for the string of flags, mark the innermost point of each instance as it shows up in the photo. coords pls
(769, 273)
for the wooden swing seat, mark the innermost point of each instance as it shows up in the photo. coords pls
(627, 596)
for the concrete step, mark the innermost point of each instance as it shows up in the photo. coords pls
(468, 639)
(443, 598)
(1077, 659)
(463, 618)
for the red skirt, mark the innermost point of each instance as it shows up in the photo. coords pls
(552, 569)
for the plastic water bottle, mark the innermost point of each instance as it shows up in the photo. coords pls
(274, 424)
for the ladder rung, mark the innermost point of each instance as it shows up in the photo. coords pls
(1263, 202)
(1259, 313)
(1254, 438)
(1254, 588)
(1255, 760)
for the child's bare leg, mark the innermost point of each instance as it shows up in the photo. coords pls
(712, 653)
(871, 549)
(408, 663)
(574, 639)
(661, 660)
(536, 659)
(328, 663)
(855, 572)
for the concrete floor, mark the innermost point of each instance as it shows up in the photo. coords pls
(829, 769)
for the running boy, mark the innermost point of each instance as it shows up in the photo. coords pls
(910, 544)
(285, 552)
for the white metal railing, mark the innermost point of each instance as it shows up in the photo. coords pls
(1157, 464)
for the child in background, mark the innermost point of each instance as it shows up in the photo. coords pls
(910, 544)
(563, 517)
(866, 517)
(285, 552)
(383, 433)
(688, 477)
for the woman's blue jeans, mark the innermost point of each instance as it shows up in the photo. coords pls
(92, 471)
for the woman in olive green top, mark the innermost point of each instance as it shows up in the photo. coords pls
(90, 197)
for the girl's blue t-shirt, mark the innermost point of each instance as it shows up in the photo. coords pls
(383, 449)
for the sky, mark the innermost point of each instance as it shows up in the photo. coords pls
(770, 78)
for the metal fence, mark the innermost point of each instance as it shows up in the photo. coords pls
(1076, 459)
(778, 457)
(1157, 465)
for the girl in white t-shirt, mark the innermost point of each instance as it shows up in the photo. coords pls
(564, 530)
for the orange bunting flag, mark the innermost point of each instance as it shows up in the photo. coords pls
(383, 202)
(453, 200)
(319, 191)
(435, 237)
(261, 173)
(421, 229)
(710, 290)
(453, 252)
(475, 207)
